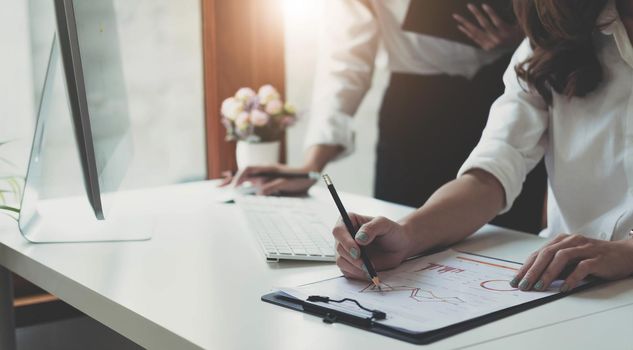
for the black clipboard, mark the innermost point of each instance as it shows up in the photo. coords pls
(435, 17)
(330, 316)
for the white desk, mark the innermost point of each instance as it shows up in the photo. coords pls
(198, 283)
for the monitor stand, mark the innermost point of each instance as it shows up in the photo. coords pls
(55, 206)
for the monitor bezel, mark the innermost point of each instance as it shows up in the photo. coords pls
(78, 101)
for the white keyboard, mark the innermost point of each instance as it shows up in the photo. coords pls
(291, 228)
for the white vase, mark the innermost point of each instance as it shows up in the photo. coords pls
(256, 153)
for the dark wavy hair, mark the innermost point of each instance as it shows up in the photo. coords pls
(561, 33)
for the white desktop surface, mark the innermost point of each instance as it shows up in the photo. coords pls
(197, 284)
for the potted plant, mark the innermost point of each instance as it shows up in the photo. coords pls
(257, 121)
(11, 188)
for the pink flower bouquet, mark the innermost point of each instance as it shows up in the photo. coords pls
(256, 117)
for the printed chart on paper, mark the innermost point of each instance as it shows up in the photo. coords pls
(430, 292)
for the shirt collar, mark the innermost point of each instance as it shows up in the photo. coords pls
(611, 24)
(609, 18)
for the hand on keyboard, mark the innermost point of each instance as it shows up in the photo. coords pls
(273, 186)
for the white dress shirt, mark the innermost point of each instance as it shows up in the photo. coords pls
(349, 39)
(587, 143)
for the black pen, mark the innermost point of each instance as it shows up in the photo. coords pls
(352, 231)
(313, 175)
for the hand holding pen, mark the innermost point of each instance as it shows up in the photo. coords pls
(386, 243)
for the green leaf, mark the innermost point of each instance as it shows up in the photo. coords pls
(4, 207)
(15, 186)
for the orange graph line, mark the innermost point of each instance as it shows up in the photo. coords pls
(487, 263)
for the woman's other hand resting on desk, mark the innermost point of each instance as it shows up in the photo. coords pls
(587, 256)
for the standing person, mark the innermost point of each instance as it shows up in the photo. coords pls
(433, 111)
(567, 97)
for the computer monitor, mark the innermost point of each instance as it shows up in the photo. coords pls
(83, 145)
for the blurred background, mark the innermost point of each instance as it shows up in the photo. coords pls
(162, 51)
(167, 109)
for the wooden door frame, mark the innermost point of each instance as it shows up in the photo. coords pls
(243, 45)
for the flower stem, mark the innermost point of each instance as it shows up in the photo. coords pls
(4, 207)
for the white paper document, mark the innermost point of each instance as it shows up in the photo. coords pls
(430, 292)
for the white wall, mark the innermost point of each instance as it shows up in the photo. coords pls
(16, 107)
(356, 172)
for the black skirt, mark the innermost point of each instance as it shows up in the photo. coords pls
(428, 126)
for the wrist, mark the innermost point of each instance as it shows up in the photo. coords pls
(417, 239)
(318, 156)
(628, 246)
(310, 166)
(628, 243)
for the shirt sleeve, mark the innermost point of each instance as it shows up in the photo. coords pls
(348, 43)
(515, 137)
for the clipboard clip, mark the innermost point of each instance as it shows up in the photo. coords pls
(332, 317)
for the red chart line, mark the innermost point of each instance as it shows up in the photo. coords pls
(510, 289)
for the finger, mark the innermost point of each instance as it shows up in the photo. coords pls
(471, 30)
(350, 270)
(467, 24)
(377, 227)
(481, 18)
(245, 174)
(343, 236)
(561, 260)
(523, 270)
(483, 43)
(358, 220)
(383, 261)
(353, 256)
(545, 257)
(494, 18)
(530, 261)
(272, 187)
(584, 269)
(227, 178)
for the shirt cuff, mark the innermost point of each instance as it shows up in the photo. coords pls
(504, 162)
(336, 129)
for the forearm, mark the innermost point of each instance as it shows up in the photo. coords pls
(318, 156)
(455, 211)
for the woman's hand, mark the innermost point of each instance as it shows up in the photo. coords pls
(603, 259)
(387, 244)
(270, 186)
(492, 32)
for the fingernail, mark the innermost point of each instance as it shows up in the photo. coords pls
(353, 252)
(564, 288)
(362, 237)
(539, 285)
(524, 284)
(515, 282)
